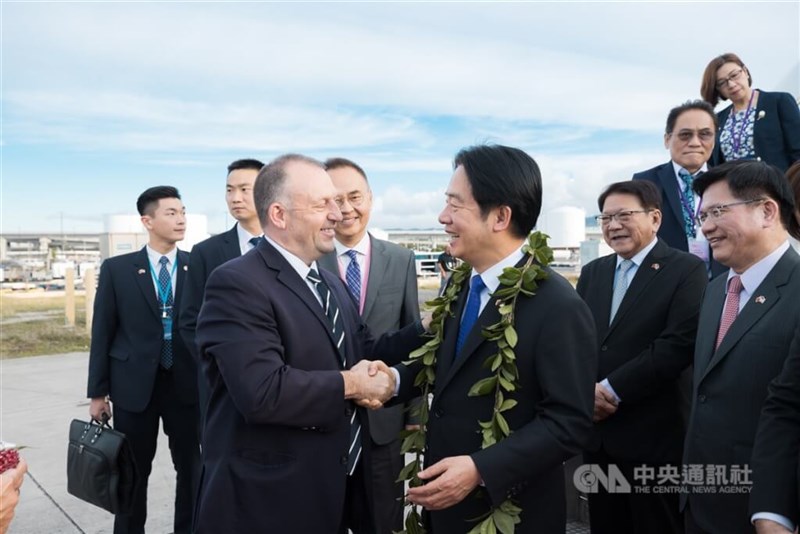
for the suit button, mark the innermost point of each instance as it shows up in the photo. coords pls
(701, 398)
(604, 348)
(343, 459)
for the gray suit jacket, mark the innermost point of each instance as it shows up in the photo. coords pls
(390, 304)
(730, 384)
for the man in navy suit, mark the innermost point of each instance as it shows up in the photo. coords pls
(384, 283)
(138, 362)
(216, 250)
(645, 299)
(285, 448)
(689, 137)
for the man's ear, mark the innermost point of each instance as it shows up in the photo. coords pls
(501, 218)
(276, 215)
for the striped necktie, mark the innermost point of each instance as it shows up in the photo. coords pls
(353, 276)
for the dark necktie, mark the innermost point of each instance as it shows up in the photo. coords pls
(731, 308)
(471, 312)
(337, 327)
(353, 276)
(688, 197)
(255, 241)
(165, 292)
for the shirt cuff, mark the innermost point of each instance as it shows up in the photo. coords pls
(396, 381)
(773, 517)
(606, 384)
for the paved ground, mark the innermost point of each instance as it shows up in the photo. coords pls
(40, 396)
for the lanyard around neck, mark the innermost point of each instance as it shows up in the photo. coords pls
(163, 295)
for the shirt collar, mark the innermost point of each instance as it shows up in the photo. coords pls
(155, 256)
(677, 168)
(297, 264)
(244, 236)
(757, 272)
(639, 257)
(491, 276)
(362, 247)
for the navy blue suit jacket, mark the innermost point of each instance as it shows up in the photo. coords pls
(672, 230)
(127, 335)
(278, 426)
(776, 135)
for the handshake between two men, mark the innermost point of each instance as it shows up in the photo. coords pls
(369, 383)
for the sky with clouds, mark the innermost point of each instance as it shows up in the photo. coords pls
(101, 100)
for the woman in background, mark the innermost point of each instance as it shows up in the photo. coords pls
(757, 125)
(793, 176)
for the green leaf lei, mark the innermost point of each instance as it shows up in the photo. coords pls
(504, 380)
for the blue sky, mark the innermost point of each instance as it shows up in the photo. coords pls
(102, 100)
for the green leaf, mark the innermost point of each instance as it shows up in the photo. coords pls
(503, 521)
(409, 471)
(508, 353)
(483, 387)
(429, 358)
(506, 385)
(511, 336)
(497, 359)
(418, 352)
(502, 423)
(507, 405)
(505, 309)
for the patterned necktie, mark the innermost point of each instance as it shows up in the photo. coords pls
(255, 241)
(620, 288)
(476, 287)
(731, 309)
(337, 327)
(165, 289)
(353, 276)
(688, 198)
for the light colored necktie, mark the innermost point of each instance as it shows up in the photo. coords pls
(731, 309)
(687, 206)
(620, 288)
(165, 289)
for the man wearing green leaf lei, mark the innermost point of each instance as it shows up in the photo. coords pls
(511, 364)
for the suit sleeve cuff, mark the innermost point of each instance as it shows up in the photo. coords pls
(396, 381)
(773, 517)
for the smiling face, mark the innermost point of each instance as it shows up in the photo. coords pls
(354, 198)
(692, 139)
(628, 238)
(239, 195)
(470, 233)
(309, 215)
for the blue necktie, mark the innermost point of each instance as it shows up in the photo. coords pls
(165, 288)
(688, 196)
(337, 328)
(255, 241)
(353, 276)
(471, 312)
(620, 288)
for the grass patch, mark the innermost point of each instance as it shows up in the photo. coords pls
(33, 325)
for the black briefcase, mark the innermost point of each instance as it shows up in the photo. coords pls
(101, 469)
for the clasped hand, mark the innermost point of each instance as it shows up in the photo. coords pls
(372, 384)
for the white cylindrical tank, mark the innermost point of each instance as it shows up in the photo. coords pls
(566, 227)
(123, 224)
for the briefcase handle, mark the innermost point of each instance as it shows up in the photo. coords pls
(98, 428)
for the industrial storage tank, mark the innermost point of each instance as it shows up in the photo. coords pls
(566, 227)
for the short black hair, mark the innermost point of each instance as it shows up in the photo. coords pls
(750, 179)
(677, 111)
(338, 163)
(147, 201)
(245, 164)
(504, 176)
(271, 179)
(646, 191)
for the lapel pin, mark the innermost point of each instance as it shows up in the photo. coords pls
(761, 115)
(141, 271)
(655, 266)
(761, 299)
(185, 267)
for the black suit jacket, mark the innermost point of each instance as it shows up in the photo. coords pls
(391, 303)
(672, 230)
(776, 135)
(277, 428)
(643, 351)
(127, 335)
(776, 485)
(556, 357)
(206, 256)
(730, 384)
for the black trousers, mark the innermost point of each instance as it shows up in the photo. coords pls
(180, 426)
(634, 512)
(387, 494)
(357, 504)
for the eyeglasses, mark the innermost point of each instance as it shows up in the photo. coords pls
(354, 199)
(686, 135)
(732, 77)
(718, 211)
(621, 217)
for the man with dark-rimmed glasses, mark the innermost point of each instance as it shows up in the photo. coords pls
(746, 324)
